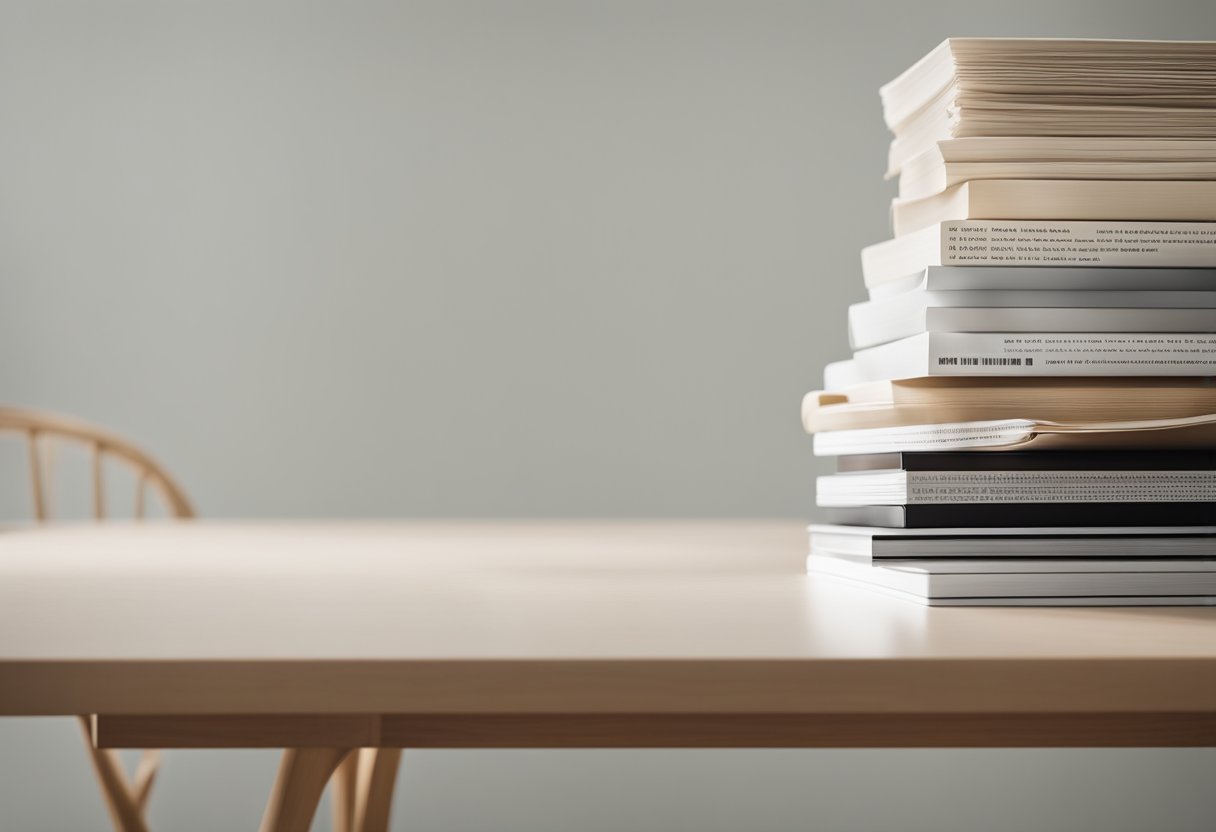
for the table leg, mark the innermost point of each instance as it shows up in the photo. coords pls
(126, 810)
(345, 793)
(377, 778)
(303, 773)
(145, 776)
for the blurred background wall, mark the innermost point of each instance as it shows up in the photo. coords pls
(490, 259)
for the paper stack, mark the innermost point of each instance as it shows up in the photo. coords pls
(1030, 411)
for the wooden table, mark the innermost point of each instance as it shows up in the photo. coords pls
(322, 638)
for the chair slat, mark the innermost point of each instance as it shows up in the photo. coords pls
(141, 495)
(99, 494)
(36, 488)
(126, 798)
(49, 429)
(47, 445)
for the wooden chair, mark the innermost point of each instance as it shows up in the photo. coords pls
(363, 781)
(126, 797)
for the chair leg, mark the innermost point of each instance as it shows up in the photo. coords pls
(125, 811)
(377, 779)
(303, 773)
(344, 796)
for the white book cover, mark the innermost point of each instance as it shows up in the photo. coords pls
(1047, 200)
(1021, 354)
(952, 161)
(1101, 542)
(1041, 243)
(1032, 601)
(1021, 285)
(1016, 584)
(879, 322)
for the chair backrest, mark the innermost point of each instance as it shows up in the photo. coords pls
(42, 430)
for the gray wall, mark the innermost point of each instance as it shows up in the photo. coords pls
(492, 259)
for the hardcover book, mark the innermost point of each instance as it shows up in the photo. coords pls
(1000, 485)
(1088, 542)
(931, 585)
(1017, 515)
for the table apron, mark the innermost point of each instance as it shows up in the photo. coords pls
(632, 730)
(609, 686)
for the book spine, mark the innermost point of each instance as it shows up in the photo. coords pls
(1021, 515)
(1069, 243)
(1071, 354)
(962, 487)
(1145, 283)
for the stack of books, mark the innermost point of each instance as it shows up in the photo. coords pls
(1029, 415)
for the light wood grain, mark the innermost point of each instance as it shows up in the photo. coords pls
(99, 482)
(710, 730)
(303, 773)
(800, 730)
(377, 781)
(45, 429)
(344, 796)
(429, 618)
(236, 731)
(144, 778)
(125, 809)
(37, 488)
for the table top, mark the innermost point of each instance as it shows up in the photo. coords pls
(506, 617)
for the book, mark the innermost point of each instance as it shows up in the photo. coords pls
(922, 401)
(1060, 199)
(1030, 601)
(1072, 149)
(893, 305)
(1051, 87)
(1060, 116)
(1018, 584)
(953, 566)
(1132, 286)
(1112, 71)
(879, 322)
(1029, 413)
(1119, 460)
(1017, 515)
(954, 174)
(1040, 243)
(1028, 354)
(1021, 434)
(966, 488)
(1087, 542)
(954, 161)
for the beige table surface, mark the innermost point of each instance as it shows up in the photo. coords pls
(586, 617)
